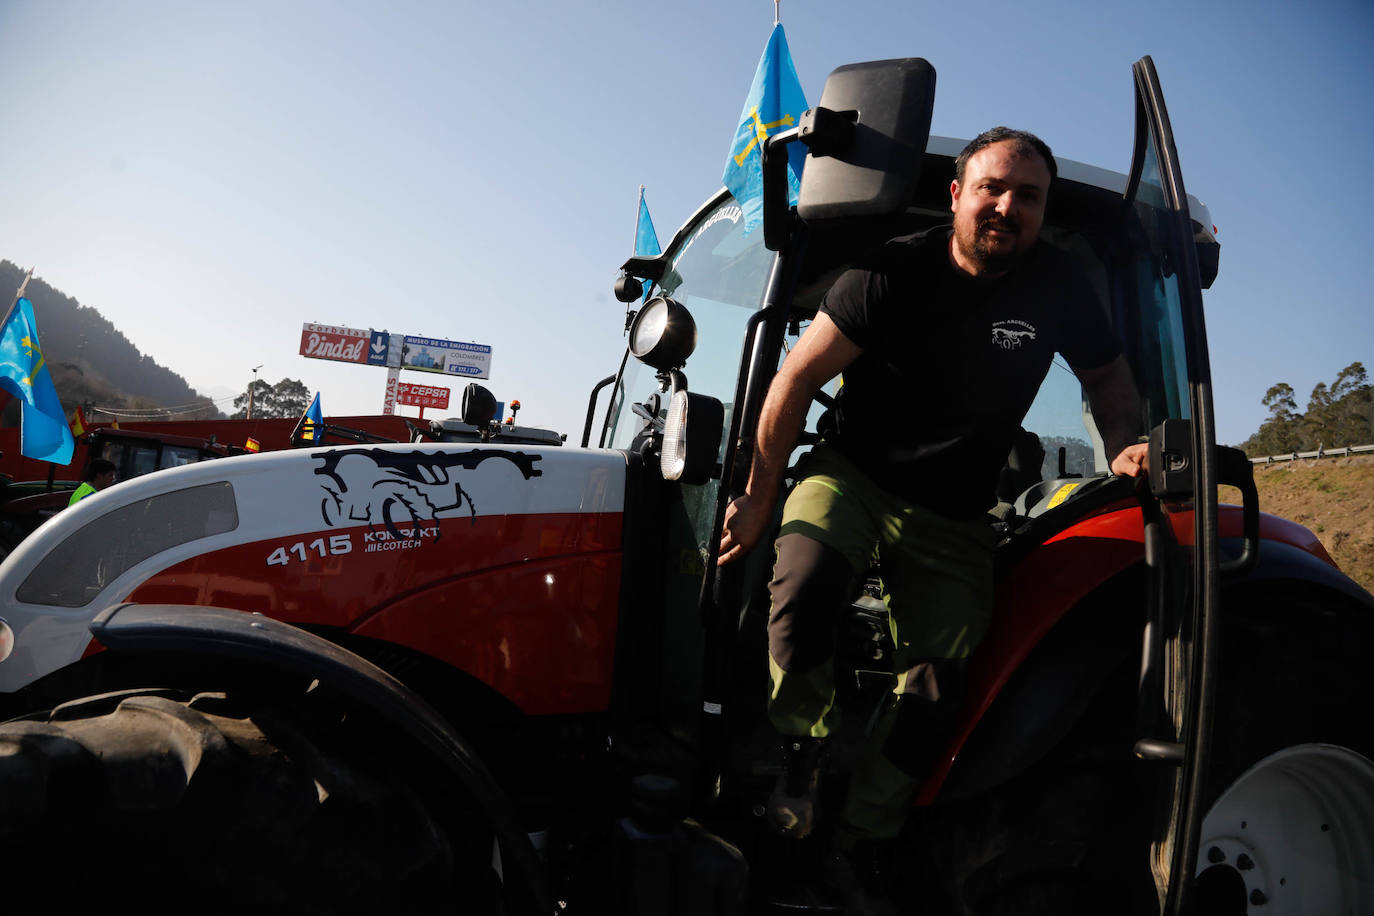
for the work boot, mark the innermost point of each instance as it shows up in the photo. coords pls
(792, 806)
(860, 874)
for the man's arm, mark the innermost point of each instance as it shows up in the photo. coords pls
(821, 354)
(1116, 409)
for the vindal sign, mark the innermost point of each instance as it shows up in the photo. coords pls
(345, 345)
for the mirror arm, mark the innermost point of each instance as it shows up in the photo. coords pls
(826, 132)
(775, 203)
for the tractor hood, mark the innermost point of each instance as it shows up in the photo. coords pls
(386, 541)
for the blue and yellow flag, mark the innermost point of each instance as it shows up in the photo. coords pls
(775, 102)
(312, 421)
(43, 430)
(646, 239)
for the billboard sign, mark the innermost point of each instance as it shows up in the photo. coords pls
(389, 393)
(346, 345)
(377, 348)
(430, 354)
(422, 396)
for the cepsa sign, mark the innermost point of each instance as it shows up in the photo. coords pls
(347, 345)
(422, 396)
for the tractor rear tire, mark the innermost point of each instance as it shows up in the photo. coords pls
(193, 803)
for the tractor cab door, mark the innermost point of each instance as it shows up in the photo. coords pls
(1167, 345)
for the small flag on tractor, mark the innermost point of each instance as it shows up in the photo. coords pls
(646, 239)
(78, 424)
(314, 419)
(310, 427)
(252, 445)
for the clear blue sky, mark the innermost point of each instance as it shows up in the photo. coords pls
(212, 175)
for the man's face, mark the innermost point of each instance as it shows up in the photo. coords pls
(998, 208)
(103, 480)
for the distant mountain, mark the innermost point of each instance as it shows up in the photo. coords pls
(92, 363)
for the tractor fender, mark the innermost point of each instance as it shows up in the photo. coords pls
(1282, 561)
(1046, 691)
(1050, 690)
(255, 638)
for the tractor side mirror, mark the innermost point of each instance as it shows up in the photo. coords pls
(872, 172)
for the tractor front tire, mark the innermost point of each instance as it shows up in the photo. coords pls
(199, 803)
(1289, 827)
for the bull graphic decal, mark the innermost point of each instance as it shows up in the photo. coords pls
(387, 489)
(1010, 334)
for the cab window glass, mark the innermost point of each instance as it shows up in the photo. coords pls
(719, 274)
(174, 456)
(1160, 358)
(113, 452)
(142, 460)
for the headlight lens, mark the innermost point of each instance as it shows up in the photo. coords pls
(663, 334)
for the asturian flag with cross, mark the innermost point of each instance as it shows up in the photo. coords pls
(43, 430)
(775, 103)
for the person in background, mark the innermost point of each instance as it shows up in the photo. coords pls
(99, 475)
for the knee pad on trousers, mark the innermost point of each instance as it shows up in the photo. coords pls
(811, 586)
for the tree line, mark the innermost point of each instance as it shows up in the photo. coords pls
(1337, 415)
(287, 398)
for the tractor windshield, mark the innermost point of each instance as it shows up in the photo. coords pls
(719, 273)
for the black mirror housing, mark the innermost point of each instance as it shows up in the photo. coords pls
(875, 172)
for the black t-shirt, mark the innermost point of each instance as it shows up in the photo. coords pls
(950, 364)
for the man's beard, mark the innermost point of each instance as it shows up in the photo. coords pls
(979, 250)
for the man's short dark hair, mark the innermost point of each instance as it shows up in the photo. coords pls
(1025, 141)
(99, 466)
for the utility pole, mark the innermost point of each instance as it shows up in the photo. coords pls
(252, 387)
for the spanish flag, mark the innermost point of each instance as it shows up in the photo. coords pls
(252, 445)
(78, 424)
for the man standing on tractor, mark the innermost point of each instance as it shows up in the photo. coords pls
(944, 338)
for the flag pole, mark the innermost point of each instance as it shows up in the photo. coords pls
(777, 12)
(18, 294)
(639, 207)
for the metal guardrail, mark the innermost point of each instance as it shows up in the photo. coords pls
(1343, 452)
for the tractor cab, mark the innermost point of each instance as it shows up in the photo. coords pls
(724, 304)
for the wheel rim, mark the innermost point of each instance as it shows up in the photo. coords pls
(1294, 834)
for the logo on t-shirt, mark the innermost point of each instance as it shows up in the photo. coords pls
(1011, 333)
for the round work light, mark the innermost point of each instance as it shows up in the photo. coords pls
(663, 334)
